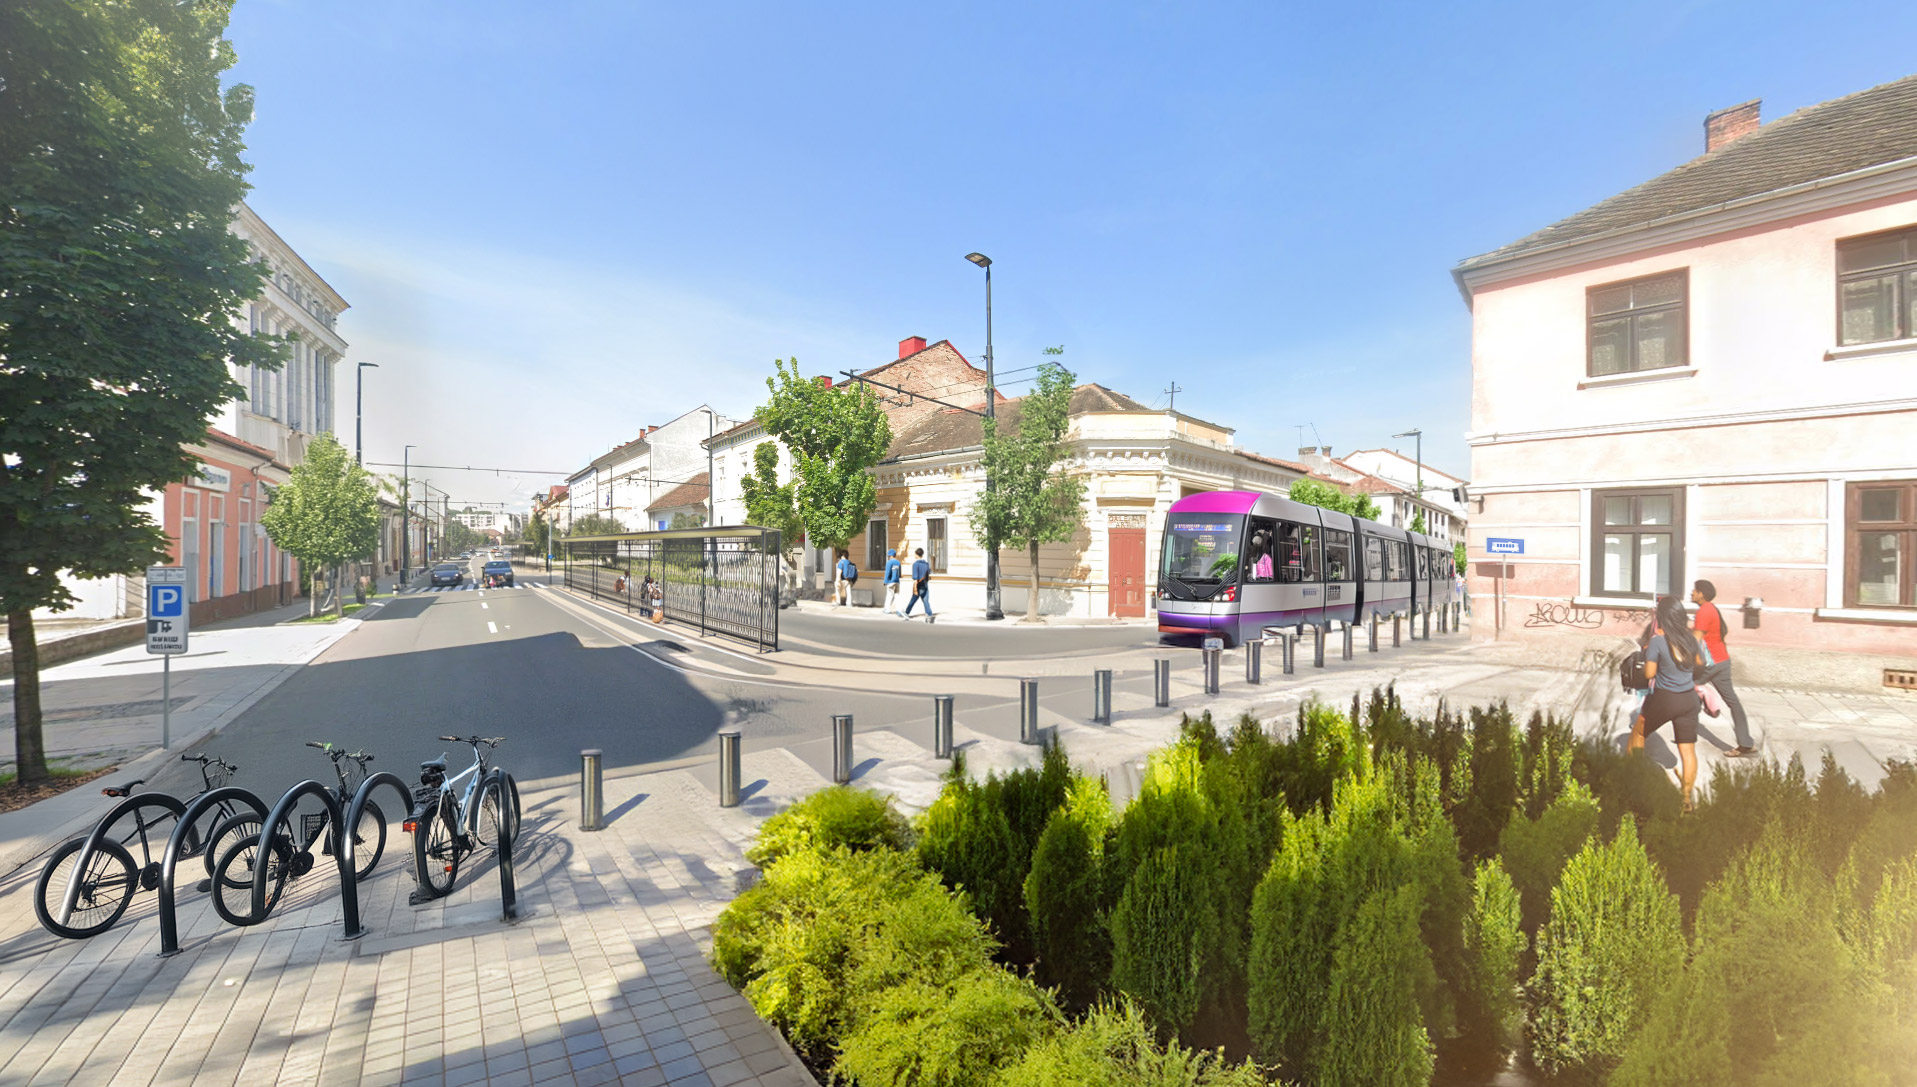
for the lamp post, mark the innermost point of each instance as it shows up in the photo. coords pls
(992, 608)
(1417, 459)
(359, 404)
(405, 520)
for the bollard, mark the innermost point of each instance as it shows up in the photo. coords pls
(1318, 646)
(728, 769)
(1347, 634)
(1209, 661)
(1028, 711)
(1371, 624)
(1161, 683)
(1254, 661)
(592, 795)
(1444, 618)
(1288, 648)
(842, 748)
(1397, 621)
(942, 726)
(1102, 696)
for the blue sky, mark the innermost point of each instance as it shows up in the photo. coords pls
(559, 222)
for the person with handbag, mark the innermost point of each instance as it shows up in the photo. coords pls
(1712, 630)
(1670, 659)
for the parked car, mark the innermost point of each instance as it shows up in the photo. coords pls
(496, 573)
(447, 573)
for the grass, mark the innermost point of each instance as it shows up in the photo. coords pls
(329, 617)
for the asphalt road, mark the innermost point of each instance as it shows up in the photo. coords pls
(1005, 640)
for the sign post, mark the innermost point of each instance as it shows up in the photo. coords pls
(166, 630)
(1496, 546)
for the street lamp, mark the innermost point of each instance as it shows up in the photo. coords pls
(1417, 459)
(405, 511)
(992, 608)
(359, 404)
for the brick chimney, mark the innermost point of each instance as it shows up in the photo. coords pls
(911, 345)
(1727, 126)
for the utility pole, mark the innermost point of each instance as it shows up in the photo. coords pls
(1418, 460)
(405, 516)
(1173, 390)
(359, 406)
(992, 608)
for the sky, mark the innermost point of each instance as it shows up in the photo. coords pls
(557, 223)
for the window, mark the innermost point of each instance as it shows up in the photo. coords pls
(1880, 526)
(935, 543)
(1297, 552)
(875, 544)
(1639, 325)
(1337, 555)
(1638, 541)
(1877, 287)
(1199, 548)
(1374, 559)
(190, 556)
(1260, 559)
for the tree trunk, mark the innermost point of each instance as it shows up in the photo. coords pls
(1031, 602)
(339, 592)
(28, 744)
(312, 593)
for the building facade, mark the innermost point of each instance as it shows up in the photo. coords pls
(1713, 376)
(1393, 482)
(625, 482)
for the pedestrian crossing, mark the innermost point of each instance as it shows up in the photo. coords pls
(470, 586)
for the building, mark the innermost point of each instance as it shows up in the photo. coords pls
(625, 481)
(494, 521)
(1393, 481)
(684, 506)
(1713, 375)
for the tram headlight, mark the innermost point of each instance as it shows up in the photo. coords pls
(1230, 595)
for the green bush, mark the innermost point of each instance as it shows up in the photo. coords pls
(1550, 749)
(1493, 792)
(1065, 895)
(1116, 1047)
(1534, 850)
(1736, 807)
(835, 816)
(1840, 809)
(1324, 749)
(1163, 932)
(1625, 783)
(966, 838)
(1613, 942)
(1889, 835)
(1489, 1011)
(1374, 1032)
(920, 1034)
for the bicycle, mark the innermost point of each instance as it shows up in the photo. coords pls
(112, 876)
(446, 826)
(240, 835)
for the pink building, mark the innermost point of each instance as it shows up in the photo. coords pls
(1713, 375)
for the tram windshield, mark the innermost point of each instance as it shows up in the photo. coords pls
(1202, 548)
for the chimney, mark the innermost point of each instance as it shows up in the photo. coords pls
(1727, 126)
(825, 381)
(911, 345)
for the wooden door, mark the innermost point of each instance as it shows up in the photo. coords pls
(1126, 549)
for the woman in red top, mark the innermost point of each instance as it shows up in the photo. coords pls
(1709, 625)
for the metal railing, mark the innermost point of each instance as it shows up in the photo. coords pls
(721, 580)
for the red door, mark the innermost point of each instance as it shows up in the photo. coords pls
(1127, 549)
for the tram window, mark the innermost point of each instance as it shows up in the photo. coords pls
(1396, 560)
(1424, 563)
(1297, 552)
(1374, 559)
(1260, 563)
(1337, 555)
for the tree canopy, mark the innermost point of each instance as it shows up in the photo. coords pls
(834, 434)
(1324, 496)
(1030, 500)
(327, 514)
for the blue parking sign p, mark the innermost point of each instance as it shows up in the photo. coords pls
(166, 601)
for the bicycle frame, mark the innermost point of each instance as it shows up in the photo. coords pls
(472, 775)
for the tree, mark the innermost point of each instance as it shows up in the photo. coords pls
(1324, 496)
(688, 519)
(460, 536)
(1417, 522)
(538, 534)
(595, 524)
(1457, 557)
(834, 435)
(327, 514)
(774, 505)
(120, 165)
(1030, 501)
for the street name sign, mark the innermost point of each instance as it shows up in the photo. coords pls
(1498, 546)
(166, 609)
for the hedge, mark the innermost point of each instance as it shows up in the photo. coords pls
(835, 816)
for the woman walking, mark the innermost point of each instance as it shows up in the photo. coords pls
(1669, 661)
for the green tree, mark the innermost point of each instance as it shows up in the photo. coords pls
(688, 519)
(538, 534)
(774, 505)
(1417, 522)
(1031, 502)
(461, 537)
(595, 524)
(1324, 496)
(1457, 557)
(327, 514)
(833, 435)
(120, 164)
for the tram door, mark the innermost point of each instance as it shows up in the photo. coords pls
(1343, 588)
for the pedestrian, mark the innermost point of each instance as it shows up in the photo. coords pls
(893, 571)
(1711, 628)
(921, 585)
(848, 572)
(1669, 660)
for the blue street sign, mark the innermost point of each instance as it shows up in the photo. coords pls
(165, 601)
(1496, 546)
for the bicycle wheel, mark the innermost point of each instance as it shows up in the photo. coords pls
(228, 834)
(233, 879)
(105, 889)
(369, 840)
(490, 818)
(436, 847)
(159, 819)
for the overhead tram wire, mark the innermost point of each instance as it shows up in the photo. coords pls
(469, 468)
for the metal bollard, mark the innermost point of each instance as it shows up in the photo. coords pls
(728, 769)
(1209, 661)
(1102, 696)
(842, 748)
(1371, 629)
(1161, 683)
(1444, 618)
(1318, 646)
(1347, 633)
(1397, 622)
(592, 793)
(1288, 647)
(1028, 711)
(1254, 661)
(942, 726)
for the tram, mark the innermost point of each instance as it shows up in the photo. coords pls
(1233, 563)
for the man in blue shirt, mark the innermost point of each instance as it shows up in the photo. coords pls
(921, 586)
(848, 572)
(893, 570)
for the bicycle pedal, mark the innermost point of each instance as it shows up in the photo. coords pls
(203, 885)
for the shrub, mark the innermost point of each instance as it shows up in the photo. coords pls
(953, 1035)
(1534, 850)
(1550, 747)
(1065, 895)
(1489, 1012)
(1324, 749)
(1625, 783)
(1163, 933)
(1492, 792)
(1888, 836)
(1374, 1032)
(1115, 1047)
(1694, 852)
(835, 816)
(1840, 810)
(966, 838)
(1613, 942)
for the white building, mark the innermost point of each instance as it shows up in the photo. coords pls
(624, 483)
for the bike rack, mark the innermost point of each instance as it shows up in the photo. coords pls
(342, 855)
(169, 860)
(72, 897)
(502, 783)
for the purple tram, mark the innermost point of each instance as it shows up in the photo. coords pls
(1234, 563)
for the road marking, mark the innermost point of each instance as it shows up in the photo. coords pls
(483, 606)
(492, 628)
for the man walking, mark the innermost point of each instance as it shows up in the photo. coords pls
(1709, 625)
(921, 586)
(893, 570)
(848, 572)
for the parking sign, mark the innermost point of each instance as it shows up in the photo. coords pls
(166, 609)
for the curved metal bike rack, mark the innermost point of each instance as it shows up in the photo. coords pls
(507, 789)
(342, 856)
(72, 897)
(169, 860)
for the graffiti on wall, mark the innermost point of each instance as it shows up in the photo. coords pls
(1553, 614)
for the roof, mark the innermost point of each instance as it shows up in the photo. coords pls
(222, 437)
(692, 492)
(728, 432)
(1285, 464)
(1869, 128)
(950, 429)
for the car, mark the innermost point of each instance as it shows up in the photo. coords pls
(447, 573)
(496, 573)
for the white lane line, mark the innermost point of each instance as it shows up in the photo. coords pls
(492, 628)
(483, 606)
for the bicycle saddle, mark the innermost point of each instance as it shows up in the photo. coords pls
(434, 764)
(122, 790)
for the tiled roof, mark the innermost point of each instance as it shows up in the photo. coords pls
(1865, 129)
(1285, 464)
(692, 492)
(947, 430)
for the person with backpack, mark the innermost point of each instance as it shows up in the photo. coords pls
(1673, 654)
(848, 572)
(921, 586)
(1712, 629)
(894, 570)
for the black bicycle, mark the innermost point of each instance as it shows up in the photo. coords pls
(447, 825)
(240, 838)
(111, 874)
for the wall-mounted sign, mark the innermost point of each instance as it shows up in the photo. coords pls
(213, 478)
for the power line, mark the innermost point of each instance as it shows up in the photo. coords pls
(467, 468)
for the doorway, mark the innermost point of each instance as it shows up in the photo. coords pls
(1125, 545)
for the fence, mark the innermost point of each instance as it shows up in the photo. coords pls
(722, 580)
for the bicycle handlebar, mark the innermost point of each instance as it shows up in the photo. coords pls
(489, 741)
(319, 745)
